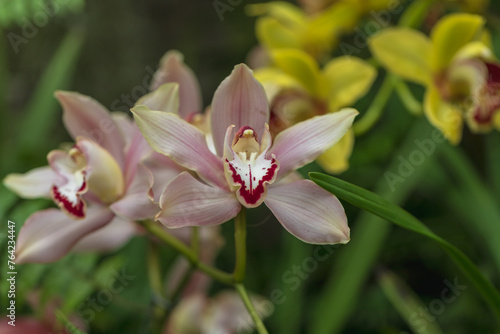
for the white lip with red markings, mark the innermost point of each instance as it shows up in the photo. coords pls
(247, 168)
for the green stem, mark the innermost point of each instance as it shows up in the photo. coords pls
(259, 325)
(240, 234)
(176, 244)
(154, 272)
(374, 112)
(406, 96)
(195, 240)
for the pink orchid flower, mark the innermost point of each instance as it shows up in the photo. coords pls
(247, 169)
(100, 184)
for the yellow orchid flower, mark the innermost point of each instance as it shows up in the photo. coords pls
(298, 90)
(455, 64)
(283, 25)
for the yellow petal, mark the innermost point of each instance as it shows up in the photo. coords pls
(274, 80)
(405, 52)
(475, 49)
(272, 34)
(300, 66)
(349, 78)
(285, 12)
(451, 34)
(443, 115)
(496, 120)
(336, 159)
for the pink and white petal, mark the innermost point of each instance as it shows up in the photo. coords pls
(137, 204)
(84, 116)
(305, 141)
(48, 235)
(164, 98)
(109, 237)
(33, 184)
(182, 142)
(70, 183)
(239, 100)
(173, 69)
(125, 124)
(104, 176)
(188, 202)
(138, 151)
(164, 170)
(309, 212)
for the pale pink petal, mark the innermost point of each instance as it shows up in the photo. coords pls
(136, 152)
(48, 235)
(164, 170)
(33, 184)
(125, 124)
(188, 202)
(109, 237)
(305, 141)
(83, 116)
(173, 69)
(164, 98)
(182, 142)
(185, 318)
(239, 100)
(137, 204)
(309, 212)
(24, 325)
(226, 313)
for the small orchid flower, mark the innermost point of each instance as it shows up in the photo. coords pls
(246, 168)
(298, 89)
(457, 67)
(99, 184)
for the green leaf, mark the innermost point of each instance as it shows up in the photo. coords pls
(406, 302)
(344, 287)
(42, 108)
(377, 205)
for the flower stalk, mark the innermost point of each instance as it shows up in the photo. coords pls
(259, 325)
(240, 234)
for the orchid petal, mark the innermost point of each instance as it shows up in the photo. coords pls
(109, 237)
(305, 141)
(164, 98)
(249, 173)
(349, 78)
(83, 116)
(71, 183)
(125, 124)
(450, 34)
(299, 65)
(181, 141)
(239, 100)
(273, 34)
(188, 202)
(164, 170)
(173, 69)
(336, 159)
(405, 52)
(48, 235)
(443, 115)
(309, 212)
(136, 152)
(137, 204)
(33, 184)
(104, 175)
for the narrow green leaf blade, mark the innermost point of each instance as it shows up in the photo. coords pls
(377, 205)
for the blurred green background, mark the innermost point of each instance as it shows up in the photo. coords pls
(106, 49)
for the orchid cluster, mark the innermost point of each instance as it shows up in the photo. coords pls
(176, 172)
